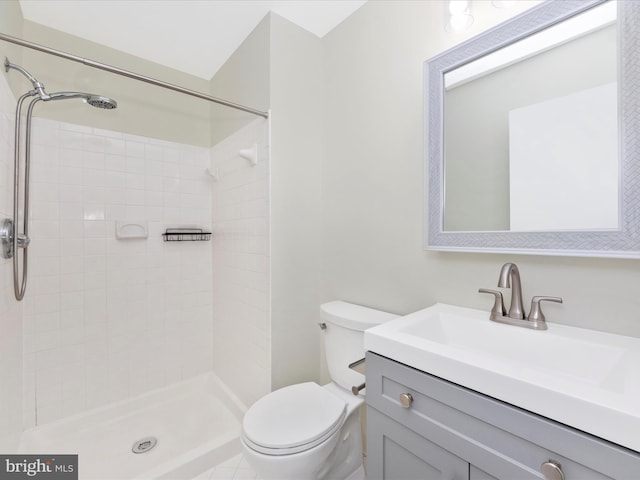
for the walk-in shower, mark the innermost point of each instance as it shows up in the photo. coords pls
(11, 238)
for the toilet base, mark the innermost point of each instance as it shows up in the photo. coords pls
(358, 474)
(338, 458)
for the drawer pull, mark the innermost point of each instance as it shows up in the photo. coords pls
(552, 470)
(406, 400)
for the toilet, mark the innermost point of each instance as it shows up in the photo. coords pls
(311, 432)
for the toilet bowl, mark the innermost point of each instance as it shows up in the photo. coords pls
(311, 432)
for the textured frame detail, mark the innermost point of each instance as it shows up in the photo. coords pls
(624, 242)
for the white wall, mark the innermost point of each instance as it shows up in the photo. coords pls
(107, 319)
(296, 80)
(143, 109)
(373, 177)
(241, 293)
(11, 360)
(279, 66)
(243, 79)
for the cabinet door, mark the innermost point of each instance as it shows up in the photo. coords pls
(477, 474)
(397, 453)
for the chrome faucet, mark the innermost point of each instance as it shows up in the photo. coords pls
(510, 278)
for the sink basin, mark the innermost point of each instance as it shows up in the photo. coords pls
(584, 378)
(561, 357)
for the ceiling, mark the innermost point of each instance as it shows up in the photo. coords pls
(193, 36)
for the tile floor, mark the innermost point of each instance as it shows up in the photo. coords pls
(236, 468)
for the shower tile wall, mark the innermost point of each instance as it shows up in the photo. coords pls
(242, 355)
(107, 319)
(10, 309)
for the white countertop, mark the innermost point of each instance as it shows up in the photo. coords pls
(587, 379)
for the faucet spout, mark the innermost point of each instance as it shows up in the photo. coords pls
(510, 278)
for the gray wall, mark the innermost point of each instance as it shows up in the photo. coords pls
(373, 193)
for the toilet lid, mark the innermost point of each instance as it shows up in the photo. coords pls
(293, 419)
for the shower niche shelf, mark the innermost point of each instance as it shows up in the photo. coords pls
(186, 235)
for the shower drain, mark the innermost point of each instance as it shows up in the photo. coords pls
(144, 445)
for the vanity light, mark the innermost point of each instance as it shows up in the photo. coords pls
(458, 17)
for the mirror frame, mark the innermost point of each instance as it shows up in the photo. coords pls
(623, 242)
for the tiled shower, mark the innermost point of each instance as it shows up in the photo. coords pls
(105, 319)
(110, 318)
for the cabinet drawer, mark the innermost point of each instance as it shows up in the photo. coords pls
(500, 439)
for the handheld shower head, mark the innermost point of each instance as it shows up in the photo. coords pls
(102, 102)
(98, 101)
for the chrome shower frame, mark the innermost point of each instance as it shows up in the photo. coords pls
(11, 239)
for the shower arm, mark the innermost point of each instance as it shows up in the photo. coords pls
(37, 86)
(129, 74)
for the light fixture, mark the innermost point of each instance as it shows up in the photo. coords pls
(503, 3)
(458, 17)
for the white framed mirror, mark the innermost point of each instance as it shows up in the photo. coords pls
(533, 135)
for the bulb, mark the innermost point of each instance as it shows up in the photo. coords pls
(503, 3)
(458, 7)
(459, 23)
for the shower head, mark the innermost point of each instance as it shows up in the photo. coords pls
(98, 101)
(102, 102)
(93, 100)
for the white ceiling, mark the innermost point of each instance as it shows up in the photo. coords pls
(193, 36)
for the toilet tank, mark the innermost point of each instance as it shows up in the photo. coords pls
(344, 338)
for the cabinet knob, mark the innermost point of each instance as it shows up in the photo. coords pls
(406, 400)
(552, 470)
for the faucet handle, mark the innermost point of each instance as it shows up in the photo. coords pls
(536, 315)
(498, 309)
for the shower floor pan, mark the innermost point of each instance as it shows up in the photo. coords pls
(196, 425)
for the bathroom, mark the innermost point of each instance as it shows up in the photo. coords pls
(342, 218)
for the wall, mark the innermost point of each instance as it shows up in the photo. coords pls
(106, 319)
(241, 293)
(278, 67)
(11, 23)
(243, 79)
(143, 109)
(373, 193)
(10, 311)
(296, 79)
(11, 320)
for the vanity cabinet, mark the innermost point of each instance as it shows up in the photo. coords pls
(423, 427)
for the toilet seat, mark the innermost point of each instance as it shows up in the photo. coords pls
(293, 419)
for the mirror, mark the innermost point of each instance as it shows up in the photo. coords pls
(530, 128)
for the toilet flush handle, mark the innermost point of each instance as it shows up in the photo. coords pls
(356, 389)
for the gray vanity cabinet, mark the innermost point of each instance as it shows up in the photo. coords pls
(447, 432)
(405, 454)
